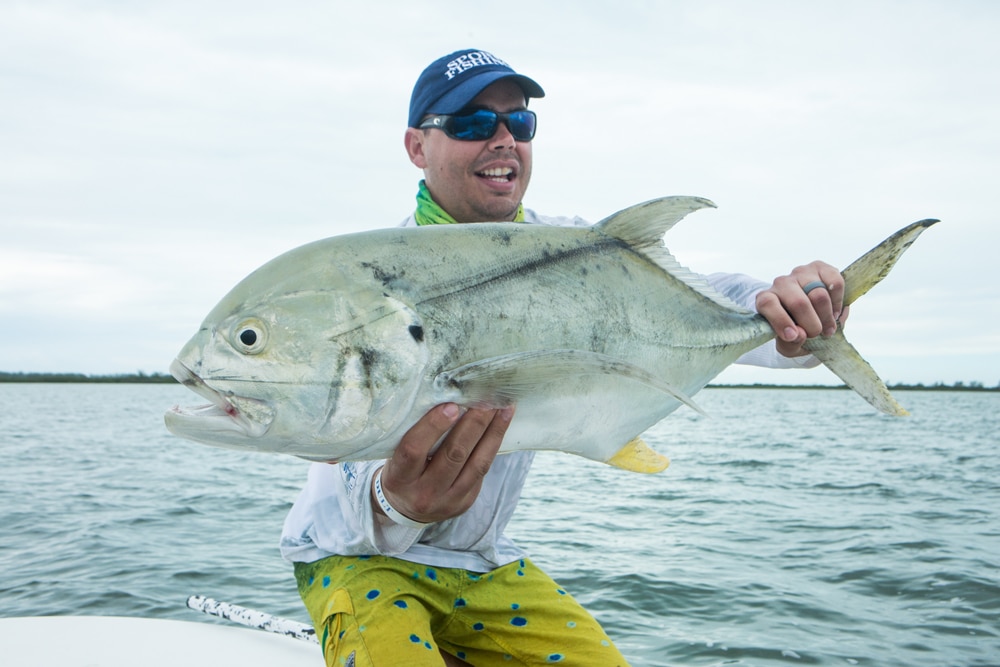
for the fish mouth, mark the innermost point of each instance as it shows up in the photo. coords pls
(226, 419)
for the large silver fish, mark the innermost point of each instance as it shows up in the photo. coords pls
(333, 350)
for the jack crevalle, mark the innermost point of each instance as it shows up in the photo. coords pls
(333, 350)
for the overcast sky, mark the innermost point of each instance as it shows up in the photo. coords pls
(152, 153)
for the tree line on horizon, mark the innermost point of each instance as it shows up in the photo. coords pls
(163, 378)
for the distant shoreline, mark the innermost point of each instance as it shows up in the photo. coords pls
(162, 378)
(124, 378)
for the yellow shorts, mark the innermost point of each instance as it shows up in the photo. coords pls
(384, 612)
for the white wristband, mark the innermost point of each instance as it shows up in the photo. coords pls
(390, 511)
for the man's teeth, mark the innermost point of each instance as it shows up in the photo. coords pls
(499, 174)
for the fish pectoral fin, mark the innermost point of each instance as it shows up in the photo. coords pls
(502, 381)
(637, 456)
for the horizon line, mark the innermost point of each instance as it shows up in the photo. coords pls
(141, 377)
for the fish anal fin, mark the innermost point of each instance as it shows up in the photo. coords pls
(637, 456)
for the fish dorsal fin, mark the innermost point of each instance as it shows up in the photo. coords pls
(642, 227)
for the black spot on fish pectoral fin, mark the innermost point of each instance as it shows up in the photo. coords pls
(417, 332)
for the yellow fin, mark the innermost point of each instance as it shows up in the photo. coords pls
(637, 456)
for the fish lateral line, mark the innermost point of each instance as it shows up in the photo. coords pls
(547, 259)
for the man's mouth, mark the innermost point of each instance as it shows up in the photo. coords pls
(497, 174)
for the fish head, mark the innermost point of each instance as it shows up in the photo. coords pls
(317, 366)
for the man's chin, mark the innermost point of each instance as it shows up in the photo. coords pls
(502, 208)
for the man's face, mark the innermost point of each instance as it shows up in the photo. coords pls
(476, 181)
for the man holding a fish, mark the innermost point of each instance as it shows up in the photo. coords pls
(404, 561)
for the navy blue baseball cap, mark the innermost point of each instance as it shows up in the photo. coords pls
(452, 81)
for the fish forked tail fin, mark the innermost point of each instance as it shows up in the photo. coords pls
(839, 355)
(869, 269)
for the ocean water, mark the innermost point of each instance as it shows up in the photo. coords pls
(794, 527)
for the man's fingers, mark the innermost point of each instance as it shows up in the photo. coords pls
(804, 304)
(835, 286)
(410, 458)
(430, 487)
(827, 301)
(482, 456)
(476, 438)
(467, 479)
(770, 306)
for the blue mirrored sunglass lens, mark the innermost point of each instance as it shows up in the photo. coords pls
(482, 124)
(522, 125)
(477, 125)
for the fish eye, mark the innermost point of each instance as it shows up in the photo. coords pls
(250, 336)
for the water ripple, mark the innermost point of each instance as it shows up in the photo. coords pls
(793, 527)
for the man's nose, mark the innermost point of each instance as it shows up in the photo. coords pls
(502, 138)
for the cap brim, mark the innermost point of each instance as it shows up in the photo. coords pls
(460, 97)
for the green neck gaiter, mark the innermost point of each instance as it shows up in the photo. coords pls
(429, 212)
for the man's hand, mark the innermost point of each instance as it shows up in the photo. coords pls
(796, 316)
(429, 488)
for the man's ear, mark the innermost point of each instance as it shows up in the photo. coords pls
(414, 142)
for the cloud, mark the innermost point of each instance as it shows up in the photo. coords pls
(156, 152)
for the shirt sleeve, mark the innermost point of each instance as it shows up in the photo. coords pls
(743, 290)
(384, 535)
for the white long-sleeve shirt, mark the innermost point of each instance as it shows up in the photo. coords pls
(334, 513)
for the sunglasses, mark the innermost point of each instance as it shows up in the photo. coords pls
(482, 124)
